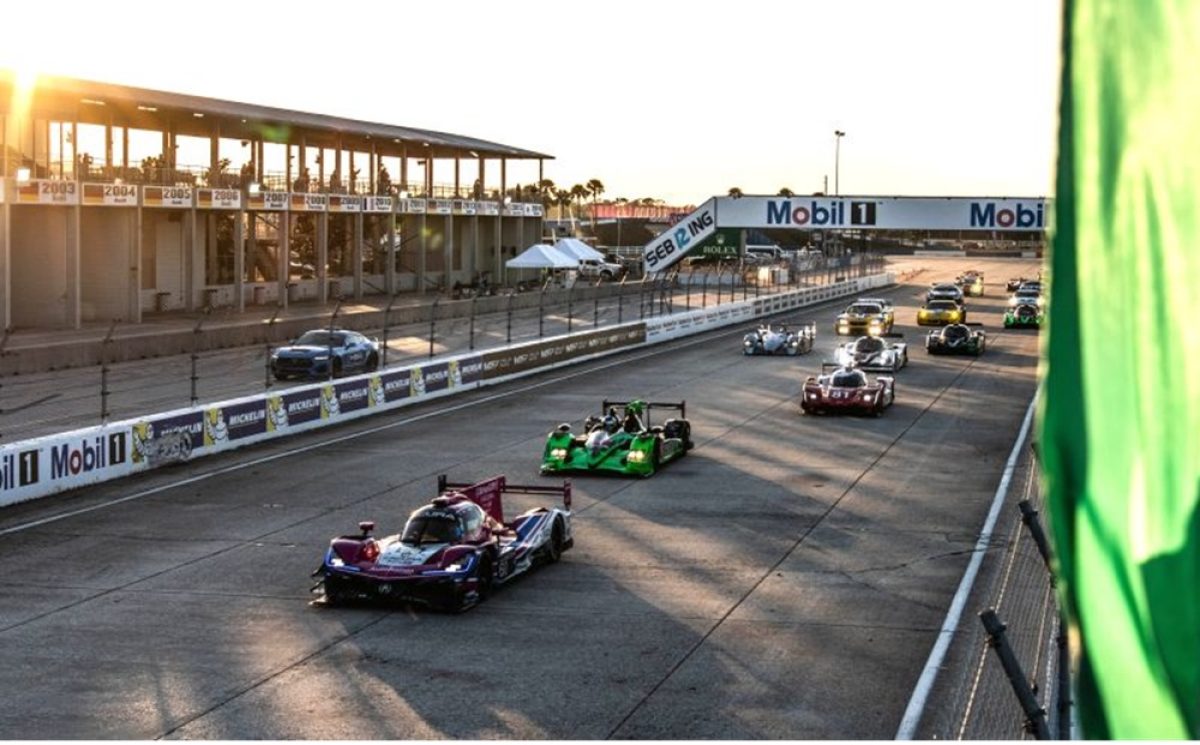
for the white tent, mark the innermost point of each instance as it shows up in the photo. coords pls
(541, 256)
(577, 249)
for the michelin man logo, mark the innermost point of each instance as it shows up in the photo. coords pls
(215, 430)
(416, 382)
(276, 414)
(455, 374)
(377, 397)
(143, 445)
(329, 402)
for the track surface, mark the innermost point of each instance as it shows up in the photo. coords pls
(785, 580)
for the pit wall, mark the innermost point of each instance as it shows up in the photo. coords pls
(36, 468)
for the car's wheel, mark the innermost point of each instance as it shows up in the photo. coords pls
(482, 574)
(606, 276)
(372, 362)
(554, 549)
(334, 588)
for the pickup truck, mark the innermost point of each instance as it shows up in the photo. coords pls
(597, 268)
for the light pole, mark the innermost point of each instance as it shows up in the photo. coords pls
(837, 156)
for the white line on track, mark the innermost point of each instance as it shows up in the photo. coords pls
(660, 349)
(920, 695)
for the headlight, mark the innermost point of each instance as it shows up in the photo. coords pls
(558, 453)
(813, 396)
(321, 358)
(336, 562)
(637, 456)
(1012, 301)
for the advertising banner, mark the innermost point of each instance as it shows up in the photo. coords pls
(883, 213)
(489, 208)
(234, 422)
(343, 203)
(47, 191)
(532, 210)
(304, 202)
(673, 244)
(219, 199)
(464, 207)
(413, 206)
(110, 195)
(167, 196)
(440, 206)
(267, 201)
(393, 386)
(518, 358)
(378, 204)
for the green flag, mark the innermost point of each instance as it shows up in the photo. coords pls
(1121, 417)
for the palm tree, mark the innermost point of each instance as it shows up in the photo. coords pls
(736, 193)
(545, 188)
(595, 187)
(563, 198)
(579, 193)
(786, 192)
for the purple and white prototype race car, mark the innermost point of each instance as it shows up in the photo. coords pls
(452, 552)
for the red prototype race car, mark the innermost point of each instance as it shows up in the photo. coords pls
(847, 390)
(452, 552)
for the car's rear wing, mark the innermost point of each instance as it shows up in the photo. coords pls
(681, 407)
(489, 493)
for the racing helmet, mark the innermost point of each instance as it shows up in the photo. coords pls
(612, 422)
(636, 406)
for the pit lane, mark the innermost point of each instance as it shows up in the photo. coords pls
(785, 580)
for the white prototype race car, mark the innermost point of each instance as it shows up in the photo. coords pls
(768, 339)
(873, 354)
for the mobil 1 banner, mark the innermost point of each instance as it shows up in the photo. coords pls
(884, 213)
(501, 362)
(53, 464)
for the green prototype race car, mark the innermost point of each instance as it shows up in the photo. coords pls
(623, 443)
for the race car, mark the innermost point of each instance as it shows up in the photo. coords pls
(452, 552)
(957, 338)
(310, 355)
(864, 318)
(889, 308)
(1024, 311)
(873, 353)
(940, 313)
(971, 283)
(624, 443)
(767, 339)
(1013, 283)
(944, 291)
(846, 390)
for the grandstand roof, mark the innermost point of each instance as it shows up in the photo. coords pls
(106, 103)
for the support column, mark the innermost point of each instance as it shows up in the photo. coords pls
(389, 269)
(191, 239)
(74, 315)
(356, 255)
(211, 264)
(283, 251)
(498, 265)
(239, 261)
(135, 268)
(5, 263)
(421, 277)
(475, 263)
(322, 239)
(448, 253)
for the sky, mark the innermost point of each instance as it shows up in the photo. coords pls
(674, 100)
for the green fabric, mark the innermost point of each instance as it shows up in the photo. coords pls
(1121, 410)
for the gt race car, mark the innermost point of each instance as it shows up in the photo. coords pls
(313, 353)
(889, 308)
(944, 291)
(625, 443)
(846, 390)
(452, 552)
(767, 339)
(864, 318)
(940, 313)
(956, 338)
(872, 353)
(971, 283)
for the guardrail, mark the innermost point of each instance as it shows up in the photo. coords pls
(43, 466)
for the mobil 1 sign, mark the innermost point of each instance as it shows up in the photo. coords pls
(683, 236)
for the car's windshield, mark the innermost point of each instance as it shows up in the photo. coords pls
(848, 379)
(956, 332)
(864, 309)
(321, 339)
(431, 529)
(868, 345)
(942, 305)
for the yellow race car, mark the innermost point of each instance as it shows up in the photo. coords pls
(940, 313)
(971, 283)
(864, 317)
